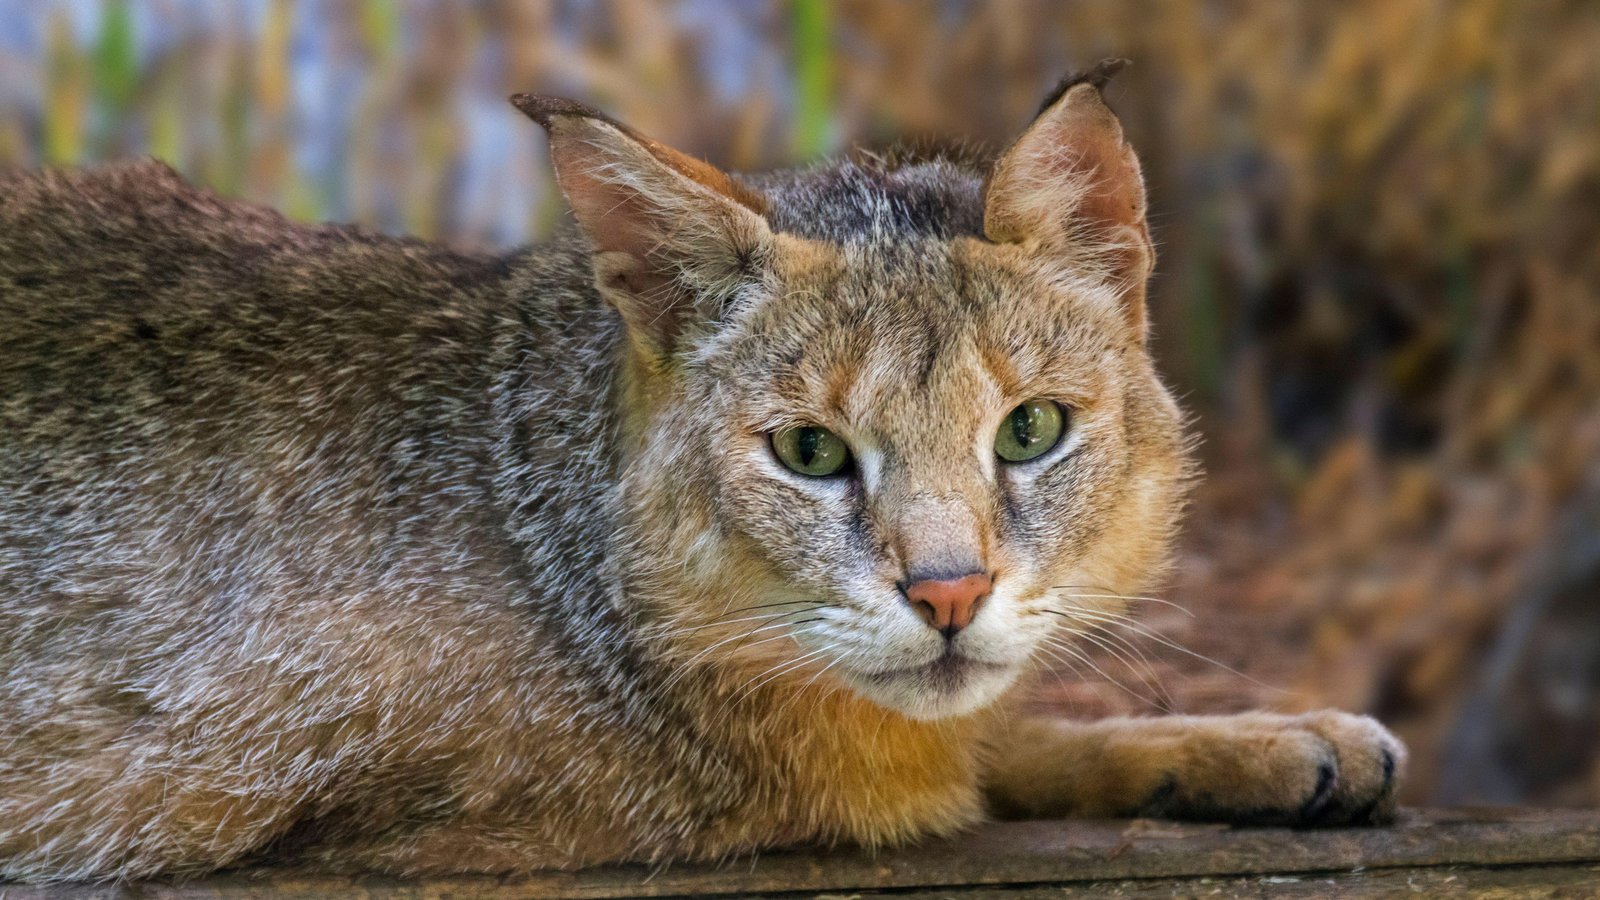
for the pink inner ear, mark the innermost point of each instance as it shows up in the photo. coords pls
(628, 227)
(1117, 198)
(1070, 169)
(614, 217)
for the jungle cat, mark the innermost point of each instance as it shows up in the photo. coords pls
(727, 520)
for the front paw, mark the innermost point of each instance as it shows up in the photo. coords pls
(1318, 769)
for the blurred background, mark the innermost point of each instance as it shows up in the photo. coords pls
(1378, 292)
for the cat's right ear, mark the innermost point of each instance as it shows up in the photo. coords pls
(673, 236)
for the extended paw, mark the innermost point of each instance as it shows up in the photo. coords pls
(1367, 767)
(1323, 768)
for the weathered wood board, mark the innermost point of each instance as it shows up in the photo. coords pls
(1500, 852)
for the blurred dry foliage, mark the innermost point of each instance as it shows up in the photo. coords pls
(1378, 287)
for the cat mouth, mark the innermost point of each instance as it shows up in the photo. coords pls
(951, 684)
(949, 671)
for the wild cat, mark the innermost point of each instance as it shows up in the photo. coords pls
(727, 520)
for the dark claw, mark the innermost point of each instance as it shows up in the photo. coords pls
(1160, 803)
(1378, 812)
(1327, 778)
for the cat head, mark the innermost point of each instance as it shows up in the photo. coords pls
(893, 426)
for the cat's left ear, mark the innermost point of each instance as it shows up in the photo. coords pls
(673, 236)
(1071, 186)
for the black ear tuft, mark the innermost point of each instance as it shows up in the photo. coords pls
(1101, 73)
(542, 109)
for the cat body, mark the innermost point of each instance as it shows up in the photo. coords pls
(321, 545)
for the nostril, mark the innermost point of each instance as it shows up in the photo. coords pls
(976, 604)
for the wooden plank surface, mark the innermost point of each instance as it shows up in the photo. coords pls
(1438, 851)
(1498, 883)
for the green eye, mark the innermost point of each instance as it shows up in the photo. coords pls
(810, 450)
(1030, 430)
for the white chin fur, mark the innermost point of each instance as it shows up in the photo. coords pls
(913, 695)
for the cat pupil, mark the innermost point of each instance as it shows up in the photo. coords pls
(1022, 426)
(807, 445)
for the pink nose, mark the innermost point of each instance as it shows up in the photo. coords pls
(948, 605)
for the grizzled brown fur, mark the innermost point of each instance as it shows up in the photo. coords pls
(368, 553)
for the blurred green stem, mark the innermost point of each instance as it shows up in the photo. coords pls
(65, 90)
(116, 69)
(813, 93)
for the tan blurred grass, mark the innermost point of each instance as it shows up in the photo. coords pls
(1377, 223)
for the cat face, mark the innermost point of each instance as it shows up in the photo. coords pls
(915, 357)
(851, 385)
